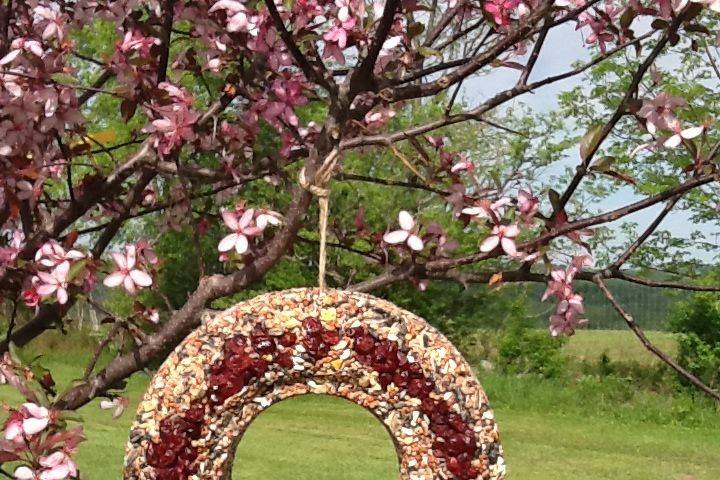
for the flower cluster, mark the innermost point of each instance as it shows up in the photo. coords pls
(566, 318)
(53, 277)
(131, 268)
(245, 224)
(174, 127)
(34, 439)
(659, 114)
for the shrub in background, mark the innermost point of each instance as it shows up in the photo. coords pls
(697, 320)
(522, 350)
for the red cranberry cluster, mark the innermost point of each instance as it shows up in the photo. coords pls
(318, 340)
(172, 456)
(246, 359)
(455, 440)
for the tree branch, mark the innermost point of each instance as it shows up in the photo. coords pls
(630, 321)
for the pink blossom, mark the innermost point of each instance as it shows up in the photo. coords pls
(53, 20)
(528, 205)
(375, 120)
(52, 253)
(135, 41)
(659, 112)
(9, 254)
(117, 404)
(685, 134)
(503, 235)
(485, 209)
(407, 233)
(243, 229)
(464, 165)
(174, 128)
(501, 10)
(55, 282)
(127, 273)
(238, 19)
(566, 318)
(57, 466)
(31, 419)
(18, 46)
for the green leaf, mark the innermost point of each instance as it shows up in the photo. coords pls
(590, 141)
(603, 164)
(75, 269)
(429, 52)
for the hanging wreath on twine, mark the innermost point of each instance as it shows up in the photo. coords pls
(332, 342)
(283, 344)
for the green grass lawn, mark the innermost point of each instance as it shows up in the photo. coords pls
(551, 431)
(619, 345)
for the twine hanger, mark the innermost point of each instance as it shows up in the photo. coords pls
(319, 188)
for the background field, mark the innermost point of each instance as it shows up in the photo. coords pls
(551, 429)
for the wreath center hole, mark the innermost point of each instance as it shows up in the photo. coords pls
(316, 437)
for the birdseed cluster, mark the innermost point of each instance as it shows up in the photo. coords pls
(355, 346)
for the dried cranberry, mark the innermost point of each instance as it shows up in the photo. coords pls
(239, 362)
(364, 345)
(284, 360)
(196, 413)
(355, 332)
(400, 379)
(160, 456)
(385, 380)
(331, 337)
(312, 326)
(288, 339)
(236, 344)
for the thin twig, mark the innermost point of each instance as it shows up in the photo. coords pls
(640, 334)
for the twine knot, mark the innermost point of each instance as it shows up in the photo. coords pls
(319, 188)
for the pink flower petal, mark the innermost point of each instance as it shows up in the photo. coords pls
(396, 236)
(227, 243)
(406, 220)
(141, 278)
(229, 219)
(120, 260)
(415, 243)
(62, 296)
(46, 289)
(241, 245)
(246, 218)
(129, 285)
(490, 244)
(691, 132)
(114, 279)
(673, 141)
(508, 245)
(24, 473)
(31, 426)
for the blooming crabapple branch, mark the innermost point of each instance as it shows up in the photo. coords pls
(621, 110)
(186, 318)
(640, 334)
(432, 267)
